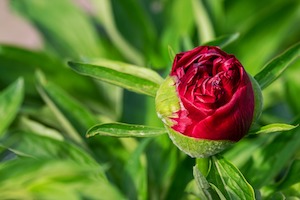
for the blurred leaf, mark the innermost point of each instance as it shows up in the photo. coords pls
(16, 62)
(292, 176)
(44, 179)
(263, 34)
(70, 33)
(124, 130)
(137, 79)
(204, 25)
(34, 145)
(65, 27)
(10, 101)
(292, 87)
(223, 41)
(276, 66)
(179, 23)
(162, 166)
(104, 14)
(136, 172)
(74, 117)
(32, 126)
(271, 157)
(229, 180)
(271, 128)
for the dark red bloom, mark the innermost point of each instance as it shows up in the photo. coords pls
(216, 95)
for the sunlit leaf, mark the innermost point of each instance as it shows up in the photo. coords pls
(54, 179)
(276, 66)
(10, 101)
(267, 162)
(229, 180)
(137, 79)
(271, 128)
(204, 187)
(125, 130)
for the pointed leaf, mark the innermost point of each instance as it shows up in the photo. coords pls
(10, 101)
(229, 180)
(137, 79)
(205, 190)
(74, 117)
(271, 128)
(276, 66)
(125, 130)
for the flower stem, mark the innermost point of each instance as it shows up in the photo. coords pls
(203, 165)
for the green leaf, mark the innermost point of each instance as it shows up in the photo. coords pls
(64, 38)
(73, 116)
(223, 41)
(180, 24)
(271, 157)
(137, 79)
(271, 128)
(35, 145)
(125, 130)
(205, 190)
(204, 24)
(10, 102)
(291, 177)
(136, 173)
(54, 179)
(229, 180)
(277, 66)
(105, 15)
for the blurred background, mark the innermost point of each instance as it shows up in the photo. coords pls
(47, 108)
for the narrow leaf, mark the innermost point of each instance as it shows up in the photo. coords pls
(125, 130)
(271, 128)
(137, 79)
(63, 106)
(44, 179)
(104, 15)
(229, 180)
(204, 24)
(10, 101)
(223, 41)
(205, 190)
(136, 172)
(276, 66)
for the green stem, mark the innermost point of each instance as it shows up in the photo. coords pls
(203, 165)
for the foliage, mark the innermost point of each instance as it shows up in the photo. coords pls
(52, 98)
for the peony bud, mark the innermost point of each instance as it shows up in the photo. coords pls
(208, 102)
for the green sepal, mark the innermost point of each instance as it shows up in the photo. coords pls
(167, 102)
(198, 148)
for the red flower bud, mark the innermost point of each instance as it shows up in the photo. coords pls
(215, 99)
